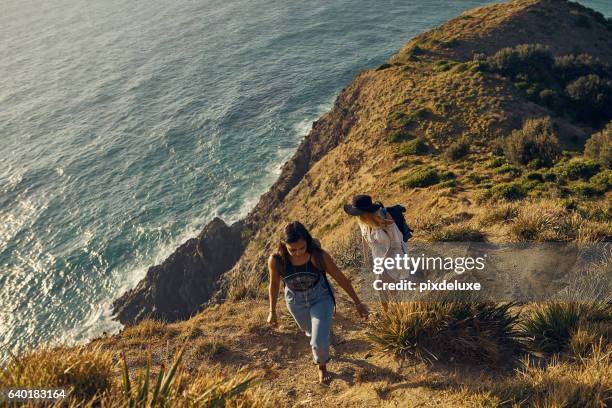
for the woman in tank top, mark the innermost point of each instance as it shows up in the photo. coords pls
(302, 265)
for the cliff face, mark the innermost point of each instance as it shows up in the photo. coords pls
(430, 89)
(180, 286)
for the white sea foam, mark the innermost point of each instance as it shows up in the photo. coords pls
(301, 128)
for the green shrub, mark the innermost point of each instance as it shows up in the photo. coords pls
(591, 97)
(535, 176)
(508, 169)
(447, 175)
(444, 65)
(422, 177)
(509, 191)
(550, 327)
(587, 189)
(603, 180)
(416, 146)
(533, 59)
(457, 150)
(577, 169)
(398, 136)
(496, 162)
(448, 184)
(572, 66)
(529, 185)
(536, 140)
(599, 147)
(576, 85)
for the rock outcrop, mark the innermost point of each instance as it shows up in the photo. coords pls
(182, 284)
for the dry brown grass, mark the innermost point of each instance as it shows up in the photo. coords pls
(563, 384)
(82, 371)
(150, 328)
(500, 214)
(462, 232)
(549, 220)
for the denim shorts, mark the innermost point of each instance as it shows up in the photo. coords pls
(312, 310)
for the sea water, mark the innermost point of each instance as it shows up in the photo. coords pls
(125, 126)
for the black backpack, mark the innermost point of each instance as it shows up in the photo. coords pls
(397, 213)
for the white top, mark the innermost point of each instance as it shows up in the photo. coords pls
(384, 242)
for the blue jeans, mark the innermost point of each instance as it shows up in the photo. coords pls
(312, 310)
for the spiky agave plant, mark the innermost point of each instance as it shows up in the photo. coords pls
(550, 326)
(141, 395)
(446, 330)
(137, 395)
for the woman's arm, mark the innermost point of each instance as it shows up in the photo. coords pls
(273, 289)
(332, 269)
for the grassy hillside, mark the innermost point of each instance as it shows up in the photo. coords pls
(495, 126)
(475, 118)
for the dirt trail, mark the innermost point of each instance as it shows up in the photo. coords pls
(231, 337)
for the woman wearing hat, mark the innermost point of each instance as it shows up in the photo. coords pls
(379, 232)
(302, 265)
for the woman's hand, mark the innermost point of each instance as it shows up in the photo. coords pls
(362, 310)
(272, 319)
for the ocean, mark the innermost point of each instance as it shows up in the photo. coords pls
(125, 126)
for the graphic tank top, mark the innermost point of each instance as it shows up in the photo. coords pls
(301, 277)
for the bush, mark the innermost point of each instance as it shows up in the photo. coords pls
(508, 169)
(496, 162)
(599, 147)
(587, 189)
(416, 146)
(457, 150)
(509, 191)
(533, 59)
(603, 180)
(571, 67)
(536, 140)
(577, 169)
(444, 65)
(398, 136)
(534, 175)
(172, 387)
(445, 330)
(591, 97)
(422, 177)
(579, 86)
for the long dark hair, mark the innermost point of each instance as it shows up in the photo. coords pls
(294, 231)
